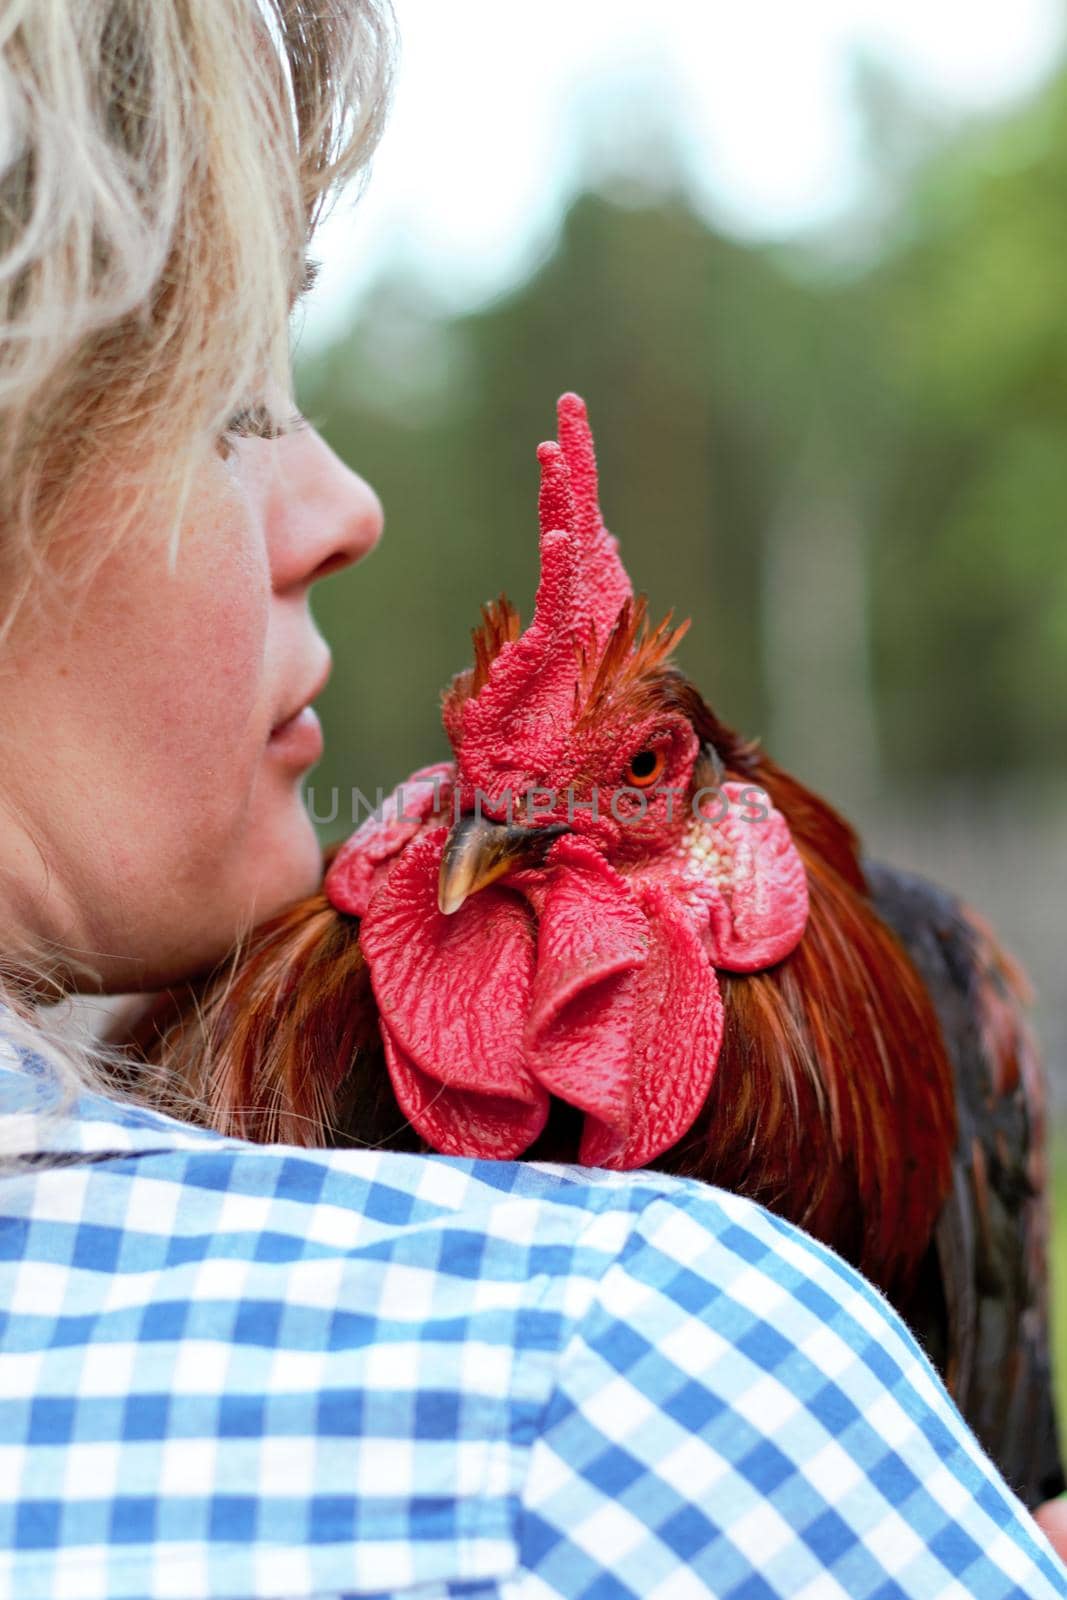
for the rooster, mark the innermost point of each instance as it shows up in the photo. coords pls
(612, 930)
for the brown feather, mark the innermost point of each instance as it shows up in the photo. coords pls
(499, 626)
(833, 1099)
(630, 669)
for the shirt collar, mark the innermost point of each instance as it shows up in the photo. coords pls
(39, 1115)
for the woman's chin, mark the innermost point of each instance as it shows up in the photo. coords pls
(290, 871)
(283, 868)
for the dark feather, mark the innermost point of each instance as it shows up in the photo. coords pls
(980, 1307)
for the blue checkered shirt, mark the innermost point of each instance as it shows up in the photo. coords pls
(237, 1371)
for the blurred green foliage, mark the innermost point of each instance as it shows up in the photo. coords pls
(853, 476)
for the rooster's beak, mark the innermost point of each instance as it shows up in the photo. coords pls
(478, 851)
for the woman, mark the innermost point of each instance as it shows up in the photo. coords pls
(230, 1370)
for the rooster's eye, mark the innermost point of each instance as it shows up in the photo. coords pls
(645, 768)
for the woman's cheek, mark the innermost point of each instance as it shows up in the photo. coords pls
(213, 690)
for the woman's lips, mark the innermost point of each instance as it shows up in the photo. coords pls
(298, 741)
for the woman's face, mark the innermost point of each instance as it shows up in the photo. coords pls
(154, 741)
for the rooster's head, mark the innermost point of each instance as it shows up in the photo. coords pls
(543, 917)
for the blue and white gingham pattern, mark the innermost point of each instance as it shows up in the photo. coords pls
(239, 1372)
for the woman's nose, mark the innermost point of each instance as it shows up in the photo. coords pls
(328, 516)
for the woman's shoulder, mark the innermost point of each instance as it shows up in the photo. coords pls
(266, 1369)
(44, 1121)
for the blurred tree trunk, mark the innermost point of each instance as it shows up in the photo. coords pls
(816, 646)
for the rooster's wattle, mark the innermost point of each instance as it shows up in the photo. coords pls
(612, 930)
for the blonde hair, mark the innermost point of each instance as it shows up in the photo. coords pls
(162, 167)
(163, 164)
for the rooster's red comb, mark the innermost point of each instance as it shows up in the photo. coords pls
(523, 707)
(602, 584)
